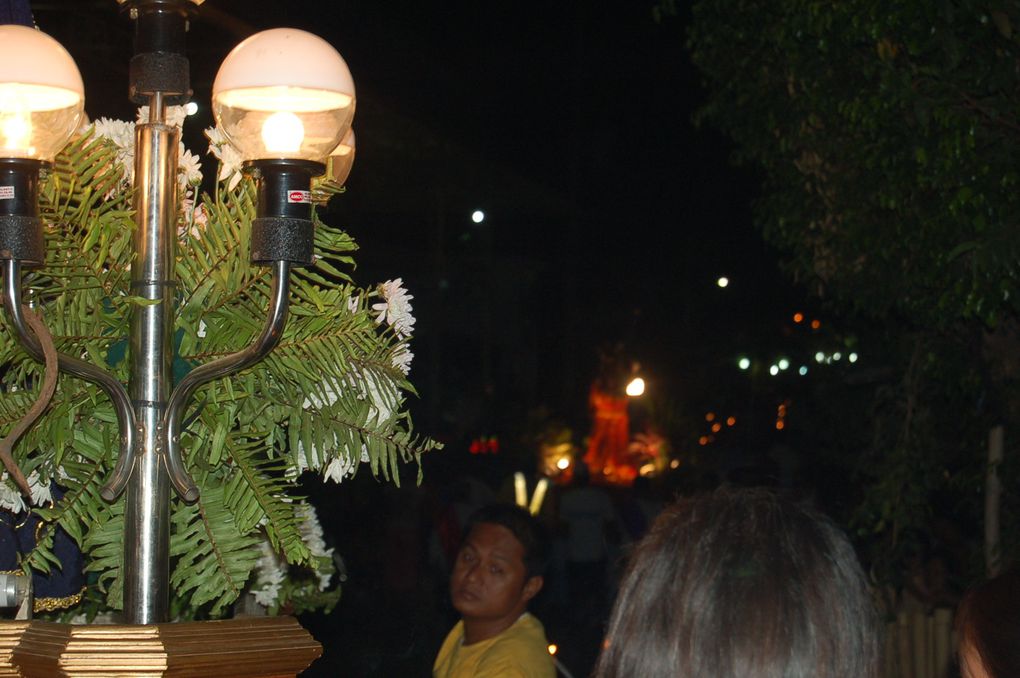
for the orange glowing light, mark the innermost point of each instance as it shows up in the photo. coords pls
(710, 416)
(730, 421)
(798, 317)
(716, 427)
(815, 324)
(552, 648)
(703, 440)
(780, 425)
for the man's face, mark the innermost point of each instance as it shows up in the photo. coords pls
(489, 580)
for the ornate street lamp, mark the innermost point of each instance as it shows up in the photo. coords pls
(285, 99)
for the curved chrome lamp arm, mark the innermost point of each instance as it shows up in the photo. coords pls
(221, 367)
(78, 368)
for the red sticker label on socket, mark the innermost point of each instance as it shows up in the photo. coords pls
(299, 196)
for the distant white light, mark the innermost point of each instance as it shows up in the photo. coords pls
(191, 108)
(773, 370)
(723, 281)
(563, 463)
(819, 357)
(783, 363)
(478, 216)
(803, 370)
(837, 355)
(636, 387)
(852, 357)
(744, 363)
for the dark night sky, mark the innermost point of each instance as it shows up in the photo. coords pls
(609, 215)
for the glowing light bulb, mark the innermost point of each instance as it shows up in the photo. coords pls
(563, 463)
(282, 132)
(636, 387)
(744, 363)
(478, 216)
(16, 130)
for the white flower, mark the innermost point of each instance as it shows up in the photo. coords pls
(175, 115)
(382, 403)
(330, 394)
(401, 359)
(311, 533)
(396, 307)
(338, 469)
(10, 497)
(119, 132)
(122, 134)
(353, 302)
(41, 491)
(189, 169)
(270, 571)
(230, 159)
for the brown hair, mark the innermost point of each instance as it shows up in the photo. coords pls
(988, 619)
(742, 583)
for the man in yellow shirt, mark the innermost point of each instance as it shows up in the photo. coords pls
(498, 569)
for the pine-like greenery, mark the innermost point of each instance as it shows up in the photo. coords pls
(330, 390)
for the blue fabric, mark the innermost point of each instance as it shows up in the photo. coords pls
(17, 538)
(16, 12)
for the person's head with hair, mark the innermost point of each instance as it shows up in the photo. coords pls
(498, 569)
(742, 583)
(988, 626)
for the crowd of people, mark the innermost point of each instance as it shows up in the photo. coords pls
(726, 582)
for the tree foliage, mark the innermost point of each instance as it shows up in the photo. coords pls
(887, 140)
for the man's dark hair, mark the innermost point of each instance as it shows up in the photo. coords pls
(741, 583)
(988, 618)
(529, 532)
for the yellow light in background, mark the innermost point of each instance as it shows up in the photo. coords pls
(647, 470)
(538, 497)
(636, 387)
(563, 463)
(553, 649)
(675, 463)
(520, 490)
(723, 281)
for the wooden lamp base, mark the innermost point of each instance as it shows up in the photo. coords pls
(256, 647)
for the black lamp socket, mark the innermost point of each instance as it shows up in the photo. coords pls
(282, 229)
(21, 235)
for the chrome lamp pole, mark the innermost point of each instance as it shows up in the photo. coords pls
(285, 99)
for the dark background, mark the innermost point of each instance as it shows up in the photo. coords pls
(609, 218)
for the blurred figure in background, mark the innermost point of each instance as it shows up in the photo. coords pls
(742, 584)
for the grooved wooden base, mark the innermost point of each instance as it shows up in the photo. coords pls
(255, 647)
